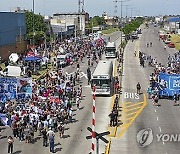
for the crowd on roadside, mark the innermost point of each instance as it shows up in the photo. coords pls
(172, 67)
(116, 107)
(54, 96)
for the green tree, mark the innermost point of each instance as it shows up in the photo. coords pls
(132, 26)
(96, 20)
(40, 27)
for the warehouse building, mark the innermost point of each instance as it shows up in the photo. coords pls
(12, 33)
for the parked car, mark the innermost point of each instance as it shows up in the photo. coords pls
(167, 41)
(134, 35)
(171, 45)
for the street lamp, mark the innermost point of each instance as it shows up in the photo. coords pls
(127, 11)
(121, 17)
(132, 9)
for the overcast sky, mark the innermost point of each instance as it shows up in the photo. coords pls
(96, 7)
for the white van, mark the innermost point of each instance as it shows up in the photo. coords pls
(61, 60)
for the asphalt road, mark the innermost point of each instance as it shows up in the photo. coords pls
(74, 141)
(163, 119)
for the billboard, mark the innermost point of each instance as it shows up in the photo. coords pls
(15, 88)
(169, 84)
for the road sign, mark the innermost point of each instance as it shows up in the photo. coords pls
(98, 136)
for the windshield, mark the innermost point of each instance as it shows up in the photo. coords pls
(61, 59)
(110, 50)
(101, 83)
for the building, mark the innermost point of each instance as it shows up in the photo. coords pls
(12, 33)
(110, 21)
(71, 21)
(172, 24)
(159, 19)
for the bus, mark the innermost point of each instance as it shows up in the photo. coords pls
(102, 78)
(110, 50)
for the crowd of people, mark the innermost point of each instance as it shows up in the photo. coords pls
(172, 67)
(54, 97)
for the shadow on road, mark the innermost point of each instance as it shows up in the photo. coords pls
(81, 108)
(36, 139)
(3, 137)
(56, 144)
(65, 136)
(67, 128)
(58, 149)
(17, 152)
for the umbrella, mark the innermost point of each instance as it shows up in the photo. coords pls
(32, 58)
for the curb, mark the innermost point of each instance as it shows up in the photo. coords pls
(108, 147)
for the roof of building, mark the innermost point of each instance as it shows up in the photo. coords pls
(174, 19)
(71, 13)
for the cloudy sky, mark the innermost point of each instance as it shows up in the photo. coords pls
(96, 7)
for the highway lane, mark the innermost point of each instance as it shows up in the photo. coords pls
(163, 119)
(74, 141)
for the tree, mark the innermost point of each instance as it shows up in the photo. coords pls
(40, 27)
(132, 26)
(96, 20)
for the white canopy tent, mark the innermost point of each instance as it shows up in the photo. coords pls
(13, 57)
(14, 71)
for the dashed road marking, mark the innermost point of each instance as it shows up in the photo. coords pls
(160, 129)
(157, 119)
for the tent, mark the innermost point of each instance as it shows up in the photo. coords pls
(32, 58)
(12, 71)
(13, 57)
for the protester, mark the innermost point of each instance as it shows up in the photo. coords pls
(10, 144)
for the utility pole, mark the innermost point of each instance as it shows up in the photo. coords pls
(121, 17)
(127, 11)
(33, 27)
(132, 12)
(115, 7)
(80, 11)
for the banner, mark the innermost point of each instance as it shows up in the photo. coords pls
(4, 120)
(24, 88)
(169, 84)
(8, 87)
(12, 88)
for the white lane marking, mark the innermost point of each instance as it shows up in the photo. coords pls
(163, 143)
(83, 75)
(160, 129)
(157, 119)
(155, 110)
(88, 86)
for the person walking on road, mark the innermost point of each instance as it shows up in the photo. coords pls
(61, 129)
(175, 98)
(138, 86)
(44, 133)
(10, 144)
(156, 100)
(112, 119)
(51, 136)
(135, 53)
(165, 47)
